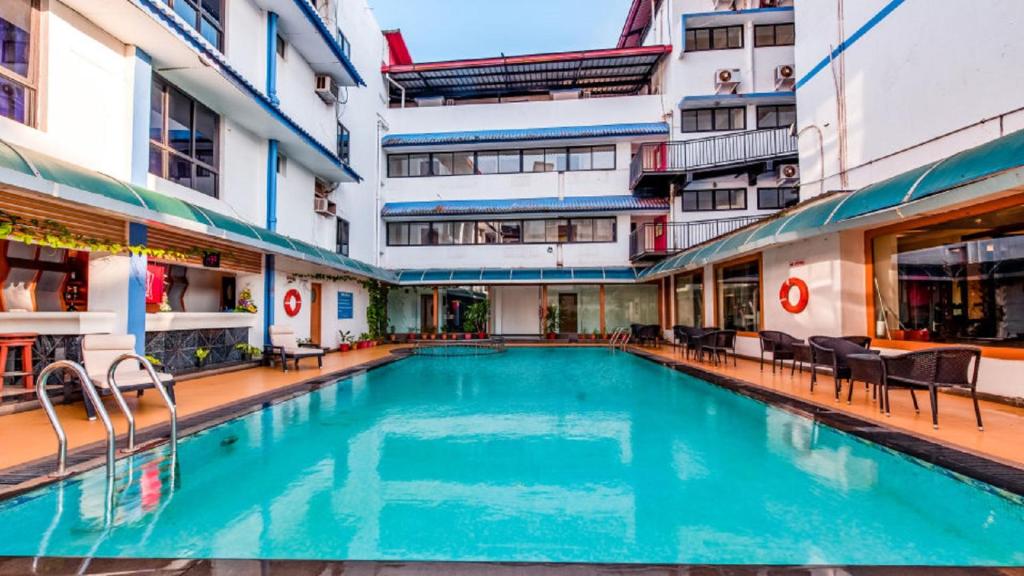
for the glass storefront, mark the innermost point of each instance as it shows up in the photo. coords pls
(579, 308)
(690, 299)
(738, 297)
(630, 304)
(955, 281)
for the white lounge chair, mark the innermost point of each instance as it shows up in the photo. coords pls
(99, 351)
(284, 345)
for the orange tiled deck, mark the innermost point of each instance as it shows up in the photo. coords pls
(1002, 440)
(27, 436)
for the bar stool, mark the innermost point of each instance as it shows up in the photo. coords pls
(23, 340)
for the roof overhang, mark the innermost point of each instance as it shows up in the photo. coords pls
(725, 100)
(528, 276)
(596, 134)
(578, 205)
(179, 54)
(638, 22)
(777, 15)
(398, 50)
(608, 72)
(307, 32)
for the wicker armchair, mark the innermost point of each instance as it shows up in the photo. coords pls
(869, 369)
(693, 340)
(821, 355)
(842, 350)
(931, 369)
(779, 345)
(719, 343)
(648, 334)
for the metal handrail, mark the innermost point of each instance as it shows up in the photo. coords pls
(171, 408)
(663, 238)
(93, 396)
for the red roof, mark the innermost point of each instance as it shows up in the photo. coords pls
(638, 20)
(398, 51)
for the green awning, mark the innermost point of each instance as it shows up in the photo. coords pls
(880, 195)
(991, 158)
(130, 199)
(812, 217)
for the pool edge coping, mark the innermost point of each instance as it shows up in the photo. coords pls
(1000, 475)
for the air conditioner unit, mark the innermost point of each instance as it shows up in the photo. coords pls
(789, 174)
(430, 101)
(725, 4)
(323, 206)
(726, 80)
(769, 3)
(327, 89)
(571, 94)
(785, 78)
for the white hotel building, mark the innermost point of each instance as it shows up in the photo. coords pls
(292, 150)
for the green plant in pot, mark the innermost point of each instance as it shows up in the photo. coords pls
(364, 341)
(249, 352)
(344, 340)
(477, 315)
(551, 322)
(391, 334)
(201, 355)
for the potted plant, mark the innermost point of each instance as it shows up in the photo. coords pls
(344, 340)
(412, 334)
(201, 355)
(246, 303)
(363, 341)
(249, 352)
(153, 360)
(551, 322)
(476, 316)
(391, 334)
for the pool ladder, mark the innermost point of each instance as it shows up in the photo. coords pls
(620, 338)
(93, 396)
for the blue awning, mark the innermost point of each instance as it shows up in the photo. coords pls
(573, 204)
(477, 276)
(722, 100)
(526, 135)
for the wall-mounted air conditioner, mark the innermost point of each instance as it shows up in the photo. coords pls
(785, 78)
(788, 174)
(327, 89)
(430, 101)
(323, 206)
(571, 94)
(726, 80)
(725, 4)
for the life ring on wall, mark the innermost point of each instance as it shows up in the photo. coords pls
(801, 303)
(292, 302)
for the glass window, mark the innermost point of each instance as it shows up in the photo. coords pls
(487, 233)
(604, 230)
(739, 296)
(441, 163)
(774, 35)
(511, 232)
(782, 116)
(581, 230)
(714, 119)
(579, 159)
(398, 234)
(556, 158)
(533, 161)
(604, 158)
(487, 162)
(690, 300)
(508, 162)
(724, 38)
(463, 163)
(442, 233)
(187, 151)
(630, 304)
(398, 166)
(556, 230)
(777, 198)
(463, 232)
(419, 233)
(534, 232)
(419, 164)
(204, 16)
(960, 281)
(717, 199)
(341, 237)
(344, 143)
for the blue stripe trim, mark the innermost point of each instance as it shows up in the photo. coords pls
(155, 9)
(527, 134)
(620, 203)
(329, 39)
(871, 23)
(737, 98)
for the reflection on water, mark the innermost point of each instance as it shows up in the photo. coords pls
(533, 455)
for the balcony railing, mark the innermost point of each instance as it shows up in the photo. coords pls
(654, 239)
(713, 152)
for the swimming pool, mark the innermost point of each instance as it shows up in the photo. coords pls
(537, 454)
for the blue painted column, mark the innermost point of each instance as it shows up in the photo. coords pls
(270, 266)
(137, 234)
(272, 57)
(269, 271)
(272, 185)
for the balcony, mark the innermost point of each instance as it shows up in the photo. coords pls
(660, 163)
(654, 240)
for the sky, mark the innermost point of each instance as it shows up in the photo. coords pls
(456, 29)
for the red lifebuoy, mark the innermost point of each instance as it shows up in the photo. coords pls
(292, 302)
(801, 288)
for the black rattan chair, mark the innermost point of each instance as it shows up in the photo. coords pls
(679, 336)
(719, 343)
(779, 345)
(648, 334)
(821, 355)
(693, 340)
(931, 369)
(842, 349)
(869, 369)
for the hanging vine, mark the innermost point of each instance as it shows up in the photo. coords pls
(377, 307)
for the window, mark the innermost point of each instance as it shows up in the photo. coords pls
(281, 46)
(205, 16)
(581, 230)
(738, 296)
(777, 198)
(782, 116)
(714, 119)
(341, 237)
(715, 199)
(282, 164)
(344, 143)
(346, 46)
(19, 49)
(500, 161)
(690, 300)
(724, 38)
(957, 281)
(774, 35)
(184, 139)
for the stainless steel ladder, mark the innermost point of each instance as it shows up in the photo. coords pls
(620, 338)
(93, 396)
(119, 397)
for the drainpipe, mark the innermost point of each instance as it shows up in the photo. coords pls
(821, 154)
(272, 57)
(270, 264)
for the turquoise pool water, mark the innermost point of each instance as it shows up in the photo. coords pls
(532, 455)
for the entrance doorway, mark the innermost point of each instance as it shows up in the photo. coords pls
(315, 298)
(426, 313)
(568, 316)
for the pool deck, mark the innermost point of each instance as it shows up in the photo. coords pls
(27, 439)
(1001, 441)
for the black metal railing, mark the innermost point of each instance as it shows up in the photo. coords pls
(661, 238)
(713, 152)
